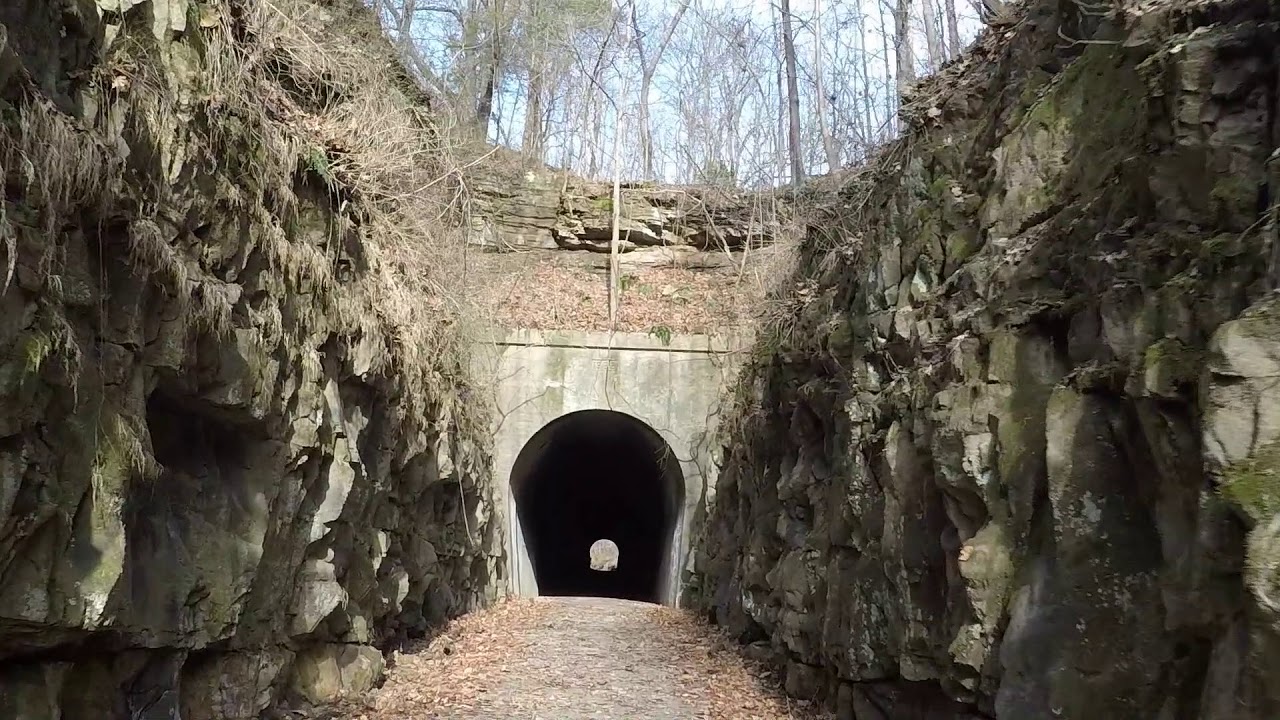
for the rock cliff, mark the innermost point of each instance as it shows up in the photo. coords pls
(1009, 446)
(549, 210)
(238, 453)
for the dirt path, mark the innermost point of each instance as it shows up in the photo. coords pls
(577, 659)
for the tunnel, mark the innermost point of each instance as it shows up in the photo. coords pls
(599, 475)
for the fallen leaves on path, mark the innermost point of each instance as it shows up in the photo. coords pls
(547, 659)
(734, 687)
(466, 660)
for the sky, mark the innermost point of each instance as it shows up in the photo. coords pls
(672, 130)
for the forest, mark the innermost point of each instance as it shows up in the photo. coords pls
(748, 93)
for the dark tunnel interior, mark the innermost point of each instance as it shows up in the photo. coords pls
(591, 475)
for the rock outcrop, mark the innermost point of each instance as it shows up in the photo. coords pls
(238, 453)
(546, 210)
(1010, 447)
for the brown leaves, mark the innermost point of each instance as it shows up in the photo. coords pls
(556, 658)
(453, 670)
(733, 687)
(557, 290)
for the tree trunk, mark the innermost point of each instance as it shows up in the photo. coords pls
(484, 107)
(597, 134)
(890, 97)
(932, 41)
(646, 134)
(902, 46)
(491, 67)
(828, 142)
(953, 29)
(649, 68)
(780, 136)
(531, 144)
(871, 132)
(615, 282)
(793, 95)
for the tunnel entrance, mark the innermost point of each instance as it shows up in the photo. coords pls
(599, 474)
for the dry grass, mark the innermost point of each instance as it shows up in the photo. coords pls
(295, 115)
(744, 689)
(459, 664)
(150, 250)
(59, 164)
(291, 92)
(9, 243)
(386, 169)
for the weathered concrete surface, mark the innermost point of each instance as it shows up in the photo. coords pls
(674, 388)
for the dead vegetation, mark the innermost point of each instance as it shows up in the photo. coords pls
(295, 115)
(559, 290)
(332, 112)
(528, 658)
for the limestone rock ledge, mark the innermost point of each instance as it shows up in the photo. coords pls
(545, 210)
(1013, 453)
(230, 473)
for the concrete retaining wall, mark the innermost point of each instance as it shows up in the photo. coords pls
(672, 386)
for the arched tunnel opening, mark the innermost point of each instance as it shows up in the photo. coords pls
(599, 475)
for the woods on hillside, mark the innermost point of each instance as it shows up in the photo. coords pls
(754, 93)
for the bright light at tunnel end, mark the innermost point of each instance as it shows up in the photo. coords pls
(604, 555)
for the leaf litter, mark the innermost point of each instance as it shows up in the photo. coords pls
(571, 658)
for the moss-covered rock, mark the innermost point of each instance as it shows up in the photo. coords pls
(225, 366)
(1045, 460)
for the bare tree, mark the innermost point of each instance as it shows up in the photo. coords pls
(955, 44)
(648, 67)
(793, 95)
(932, 37)
(902, 46)
(716, 88)
(615, 281)
(820, 91)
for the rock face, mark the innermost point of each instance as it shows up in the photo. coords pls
(1011, 449)
(541, 209)
(238, 453)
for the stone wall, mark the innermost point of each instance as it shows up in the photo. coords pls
(1010, 448)
(238, 455)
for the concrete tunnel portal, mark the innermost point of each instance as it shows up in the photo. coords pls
(599, 475)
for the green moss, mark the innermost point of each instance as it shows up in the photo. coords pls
(960, 246)
(1253, 484)
(662, 333)
(317, 162)
(604, 204)
(10, 118)
(118, 458)
(36, 348)
(940, 188)
(1170, 363)
(1234, 190)
(840, 338)
(1222, 245)
(1234, 200)
(1099, 100)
